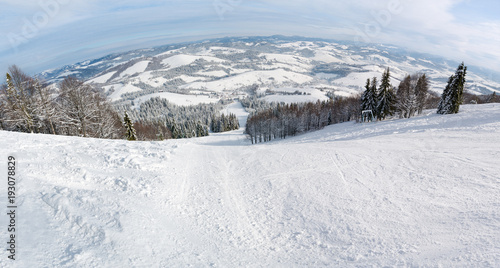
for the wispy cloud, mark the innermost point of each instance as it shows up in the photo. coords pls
(76, 30)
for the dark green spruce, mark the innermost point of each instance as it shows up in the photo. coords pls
(452, 96)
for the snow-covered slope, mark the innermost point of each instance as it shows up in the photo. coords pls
(418, 192)
(182, 60)
(178, 99)
(236, 66)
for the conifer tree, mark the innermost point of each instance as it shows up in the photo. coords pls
(386, 97)
(452, 98)
(130, 134)
(174, 128)
(492, 98)
(444, 97)
(406, 99)
(369, 97)
(364, 95)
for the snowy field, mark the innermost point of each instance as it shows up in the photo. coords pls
(278, 76)
(313, 95)
(422, 192)
(182, 60)
(178, 99)
(120, 89)
(288, 99)
(139, 67)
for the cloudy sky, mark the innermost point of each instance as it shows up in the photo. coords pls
(42, 34)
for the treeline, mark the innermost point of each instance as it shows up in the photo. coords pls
(412, 96)
(480, 99)
(224, 123)
(291, 119)
(76, 109)
(160, 118)
(255, 104)
(169, 128)
(377, 101)
(271, 121)
(186, 129)
(73, 108)
(160, 109)
(408, 99)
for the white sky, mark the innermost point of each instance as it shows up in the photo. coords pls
(42, 34)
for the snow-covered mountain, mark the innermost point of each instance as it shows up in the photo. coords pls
(418, 192)
(284, 66)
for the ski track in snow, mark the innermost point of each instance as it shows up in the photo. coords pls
(417, 192)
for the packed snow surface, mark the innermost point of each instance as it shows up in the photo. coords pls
(422, 192)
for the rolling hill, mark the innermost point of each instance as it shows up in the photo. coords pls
(237, 67)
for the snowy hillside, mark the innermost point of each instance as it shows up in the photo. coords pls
(232, 67)
(417, 192)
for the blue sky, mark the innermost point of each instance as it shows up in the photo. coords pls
(43, 34)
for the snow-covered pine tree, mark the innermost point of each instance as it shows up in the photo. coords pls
(129, 126)
(492, 98)
(444, 102)
(374, 91)
(160, 134)
(458, 88)
(364, 95)
(369, 96)
(452, 96)
(182, 132)
(199, 130)
(386, 97)
(224, 123)
(175, 129)
(236, 122)
(406, 98)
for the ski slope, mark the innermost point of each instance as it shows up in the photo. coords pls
(422, 192)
